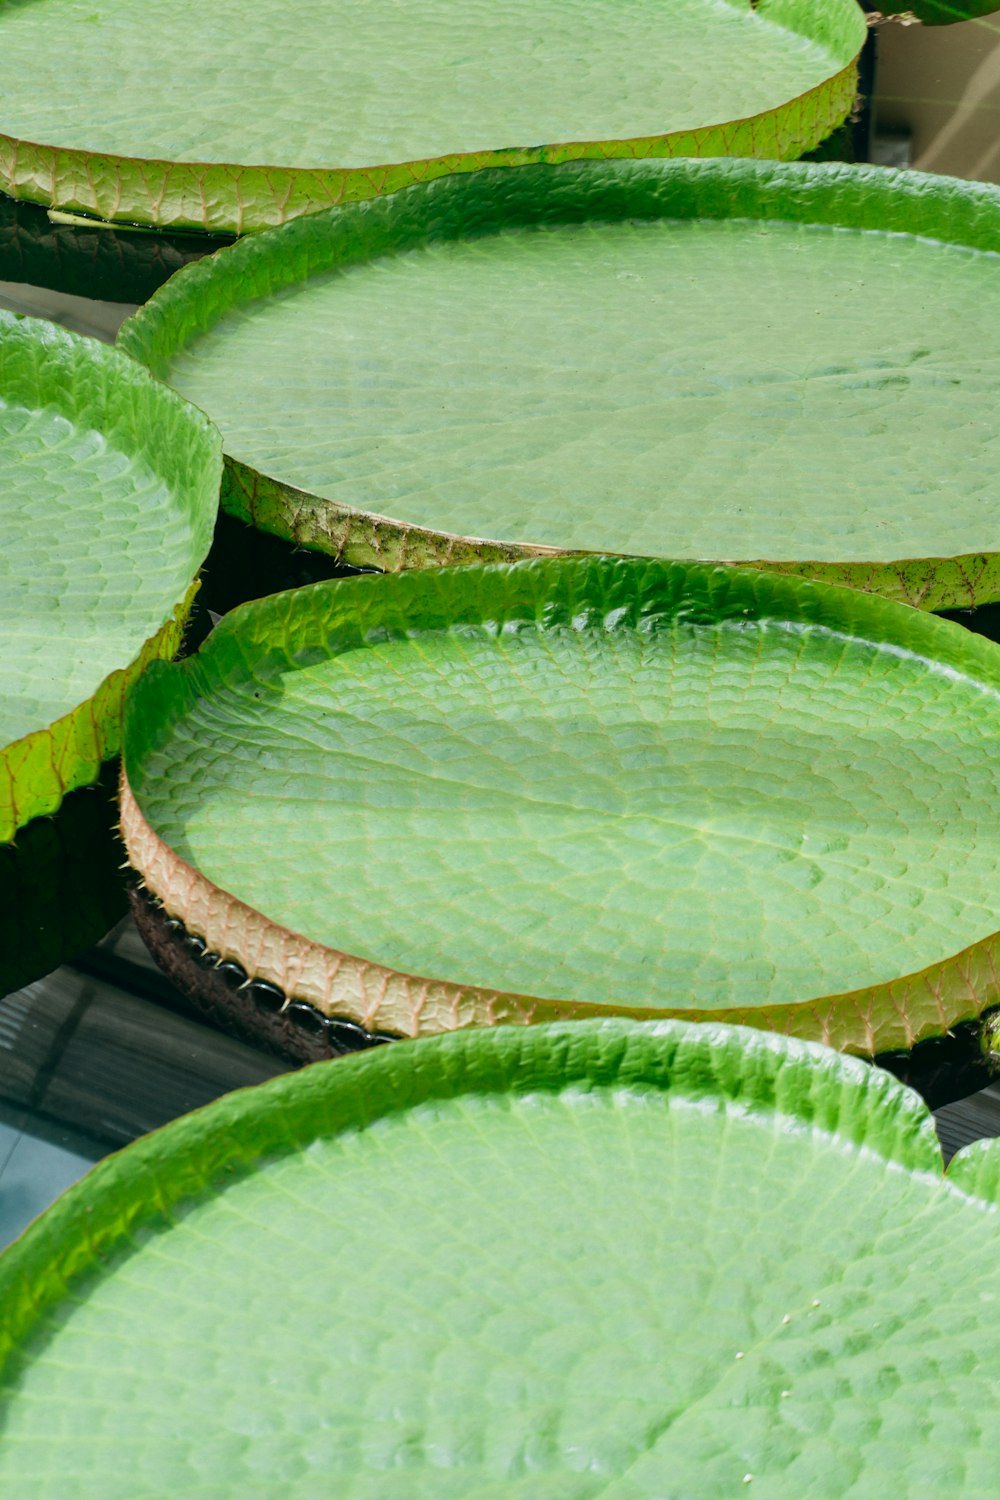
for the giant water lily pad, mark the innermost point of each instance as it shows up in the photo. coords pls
(233, 117)
(574, 1263)
(792, 365)
(575, 786)
(110, 489)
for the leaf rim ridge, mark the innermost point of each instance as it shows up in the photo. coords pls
(829, 193)
(886, 1016)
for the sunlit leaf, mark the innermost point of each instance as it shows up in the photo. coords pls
(728, 361)
(233, 117)
(571, 786)
(110, 488)
(573, 1263)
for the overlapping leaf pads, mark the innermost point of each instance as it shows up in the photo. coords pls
(731, 361)
(110, 491)
(576, 1262)
(233, 117)
(574, 786)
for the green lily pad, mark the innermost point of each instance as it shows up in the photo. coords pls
(576, 786)
(110, 486)
(236, 117)
(787, 365)
(576, 1263)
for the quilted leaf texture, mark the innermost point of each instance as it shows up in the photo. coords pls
(110, 490)
(579, 1262)
(341, 101)
(734, 361)
(571, 786)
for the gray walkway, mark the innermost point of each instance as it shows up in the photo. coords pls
(92, 1057)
